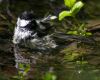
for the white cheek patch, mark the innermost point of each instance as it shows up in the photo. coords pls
(22, 22)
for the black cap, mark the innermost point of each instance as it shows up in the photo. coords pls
(28, 15)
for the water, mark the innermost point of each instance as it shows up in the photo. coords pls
(64, 65)
(78, 61)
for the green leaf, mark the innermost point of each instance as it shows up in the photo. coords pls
(88, 33)
(49, 76)
(64, 14)
(76, 8)
(69, 3)
(72, 32)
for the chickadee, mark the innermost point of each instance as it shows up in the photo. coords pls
(33, 32)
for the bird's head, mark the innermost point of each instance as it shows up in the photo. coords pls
(26, 19)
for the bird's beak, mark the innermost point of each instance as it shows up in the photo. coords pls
(53, 17)
(49, 18)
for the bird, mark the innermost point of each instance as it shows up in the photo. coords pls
(32, 32)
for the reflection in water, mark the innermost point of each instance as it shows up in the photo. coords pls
(37, 66)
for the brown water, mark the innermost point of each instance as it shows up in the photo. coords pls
(77, 61)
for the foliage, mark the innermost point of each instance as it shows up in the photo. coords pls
(24, 68)
(69, 3)
(81, 30)
(49, 76)
(64, 14)
(74, 8)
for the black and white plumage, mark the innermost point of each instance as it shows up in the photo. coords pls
(32, 32)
